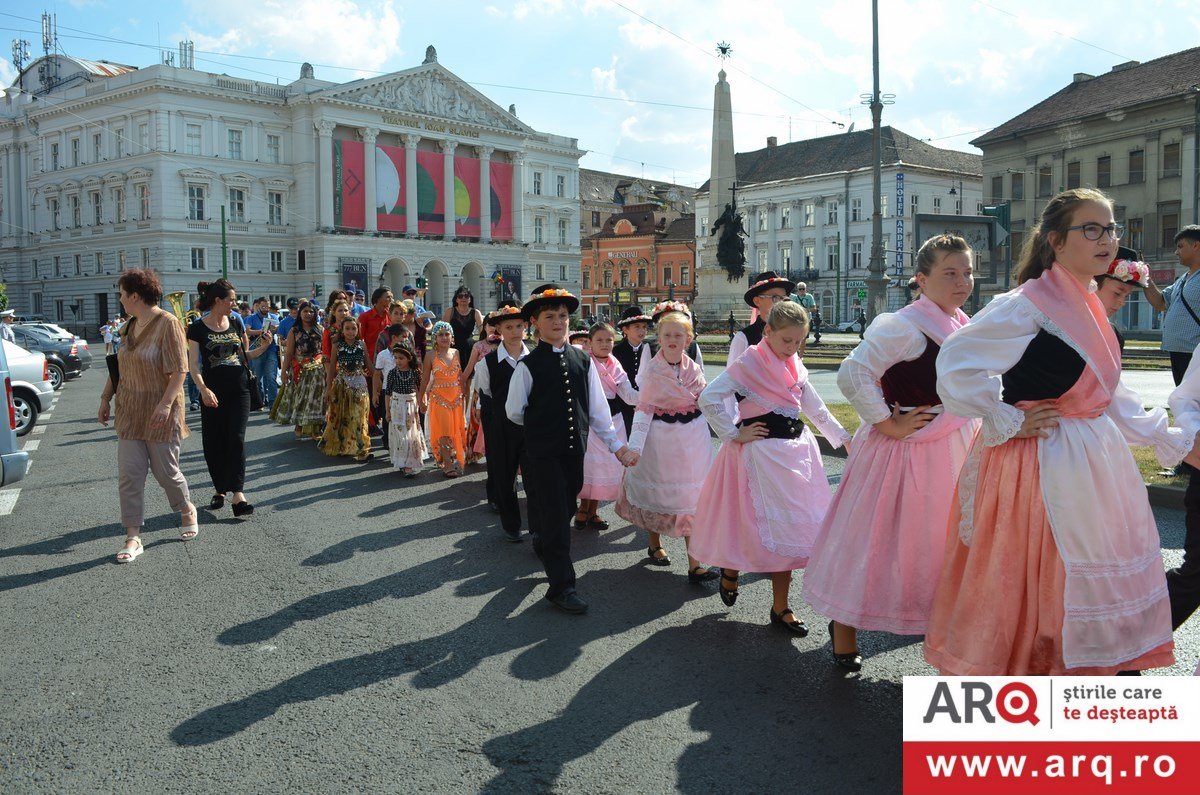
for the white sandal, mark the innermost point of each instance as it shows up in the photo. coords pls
(189, 531)
(129, 555)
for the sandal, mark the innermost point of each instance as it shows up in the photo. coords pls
(796, 627)
(217, 502)
(728, 595)
(594, 522)
(655, 560)
(851, 661)
(129, 555)
(190, 530)
(702, 574)
(581, 521)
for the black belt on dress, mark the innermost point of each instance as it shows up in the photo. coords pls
(680, 418)
(778, 426)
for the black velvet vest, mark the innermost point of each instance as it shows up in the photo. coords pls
(754, 331)
(913, 383)
(1048, 368)
(631, 360)
(556, 417)
(499, 377)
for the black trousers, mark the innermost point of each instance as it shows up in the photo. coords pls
(379, 415)
(486, 421)
(551, 486)
(223, 429)
(1183, 583)
(1179, 365)
(504, 446)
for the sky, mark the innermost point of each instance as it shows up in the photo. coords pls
(633, 80)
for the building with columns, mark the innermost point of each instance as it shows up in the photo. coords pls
(379, 181)
(807, 209)
(1131, 133)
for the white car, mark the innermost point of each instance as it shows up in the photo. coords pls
(30, 382)
(14, 463)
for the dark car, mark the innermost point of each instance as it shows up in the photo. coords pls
(66, 357)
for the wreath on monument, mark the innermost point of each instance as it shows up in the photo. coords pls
(731, 251)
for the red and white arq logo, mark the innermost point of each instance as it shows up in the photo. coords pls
(1015, 702)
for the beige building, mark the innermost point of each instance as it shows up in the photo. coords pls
(1129, 132)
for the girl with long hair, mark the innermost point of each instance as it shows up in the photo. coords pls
(346, 395)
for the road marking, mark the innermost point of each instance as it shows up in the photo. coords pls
(8, 501)
(38, 429)
(31, 445)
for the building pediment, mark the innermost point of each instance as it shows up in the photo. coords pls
(428, 90)
(238, 178)
(196, 174)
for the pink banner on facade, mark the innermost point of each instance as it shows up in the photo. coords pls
(390, 185)
(467, 206)
(502, 200)
(430, 183)
(349, 189)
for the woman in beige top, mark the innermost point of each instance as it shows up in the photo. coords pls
(149, 422)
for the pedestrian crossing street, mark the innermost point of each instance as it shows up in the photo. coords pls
(30, 443)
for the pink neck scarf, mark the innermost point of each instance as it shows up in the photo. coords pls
(932, 320)
(663, 390)
(611, 375)
(1078, 313)
(768, 382)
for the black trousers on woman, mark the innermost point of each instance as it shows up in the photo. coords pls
(223, 429)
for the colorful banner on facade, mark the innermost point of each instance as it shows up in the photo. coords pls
(390, 189)
(502, 200)
(468, 209)
(510, 288)
(349, 188)
(430, 184)
(354, 275)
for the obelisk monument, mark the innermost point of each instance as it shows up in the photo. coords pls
(716, 294)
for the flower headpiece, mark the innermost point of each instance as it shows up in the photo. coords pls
(662, 307)
(1130, 272)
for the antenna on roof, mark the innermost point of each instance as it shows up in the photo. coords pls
(48, 70)
(20, 53)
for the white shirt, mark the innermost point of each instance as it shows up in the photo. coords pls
(6, 331)
(385, 362)
(483, 378)
(599, 418)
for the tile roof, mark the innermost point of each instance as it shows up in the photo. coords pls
(1129, 85)
(599, 186)
(846, 152)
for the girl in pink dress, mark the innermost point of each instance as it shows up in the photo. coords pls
(602, 471)
(766, 495)
(1053, 564)
(661, 493)
(877, 559)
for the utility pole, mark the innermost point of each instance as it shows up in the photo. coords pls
(877, 279)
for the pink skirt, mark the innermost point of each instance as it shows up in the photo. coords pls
(602, 471)
(660, 494)
(998, 608)
(877, 560)
(760, 509)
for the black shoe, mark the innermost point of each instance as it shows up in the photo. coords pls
(851, 661)
(702, 574)
(569, 602)
(580, 524)
(513, 537)
(242, 508)
(795, 627)
(217, 502)
(728, 595)
(665, 560)
(493, 507)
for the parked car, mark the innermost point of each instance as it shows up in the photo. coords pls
(31, 390)
(14, 463)
(30, 319)
(67, 356)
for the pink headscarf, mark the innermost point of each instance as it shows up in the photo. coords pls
(611, 373)
(662, 390)
(1078, 312)
(768, 382)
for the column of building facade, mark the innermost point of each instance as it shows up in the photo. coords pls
(369, 135)
(820, 216)
(7, 177)
(1151, 234)
(447, 148)
(752, 228)
(111, 186)
(518, 188)
(797, 220)
(410, 184)
(772, 236)
(325, 180)
(485, 192)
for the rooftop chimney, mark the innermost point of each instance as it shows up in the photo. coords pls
(772, 141)
(1082, 77)
(1121, 67)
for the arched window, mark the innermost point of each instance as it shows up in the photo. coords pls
(608, 278)
(624, 278)
(641, 277)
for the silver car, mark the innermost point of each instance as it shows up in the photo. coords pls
(30, 382)
(14, 463)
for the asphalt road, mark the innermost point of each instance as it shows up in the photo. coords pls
(362, 632)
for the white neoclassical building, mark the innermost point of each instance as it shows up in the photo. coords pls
(382, 181)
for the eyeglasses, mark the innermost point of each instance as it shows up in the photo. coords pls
(802, 290)
(775, 298)
(1093, 231)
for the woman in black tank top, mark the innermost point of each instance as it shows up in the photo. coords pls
(464, 319)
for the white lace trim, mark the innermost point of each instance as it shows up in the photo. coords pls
(1172, 447)
(1053, 328)
(791, 410)
(1117, 568)
(968, 481)
(1002, 424)
(1124, 608)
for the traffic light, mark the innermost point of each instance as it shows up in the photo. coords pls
(420, 282)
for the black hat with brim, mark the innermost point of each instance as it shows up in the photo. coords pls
(767, 280)
(548, 295)
(633, 314)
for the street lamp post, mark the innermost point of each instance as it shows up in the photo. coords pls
(670, 290)
(876, 280)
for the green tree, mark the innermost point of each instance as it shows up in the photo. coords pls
(3, 297)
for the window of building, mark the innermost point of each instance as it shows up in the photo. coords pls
(1137, 166)
(856, 209)
(1169, 218)
(607, 279)
(145, 257)
(937, 205)
(195, 202)
(914, 205)
(809, 253)
(785, 258)
(54, 164)
(537, 183)
(761, 258)
(537, 229)
(35, 300)
(832, 213)
(58, 266)
(667, 271)
(144, 202)
(193, 139)
(808, 214)
(1133, 228)
(276, 262)
(785, 217)
(99, 263)
(74, 151)
(1045, 178)
(234, 139)
(539, 271)
(560, 186)
(197, 259)
(237, 205)
(562, 273)
(641, 276)
(97, 147)
(997, 189)
(856, 254)
(275, 208)
(595, 218)
(273, 148)
(833, 257)
(52, 208)
(958, 205)
(75, 214)
(237, 259)
(587, 279)
(144, 137)
(78, 264)
(121, 259)
(1103, 172)
(119, 201)
(1073, 174)
(119, 136)
(979, 208)
(685, 274)
(1018, 187)
(760, 220)
(1171, 160)
(562, 232)
(60, 309)
(97, 208)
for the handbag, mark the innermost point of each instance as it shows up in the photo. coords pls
(256, 398)
(114, 370)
